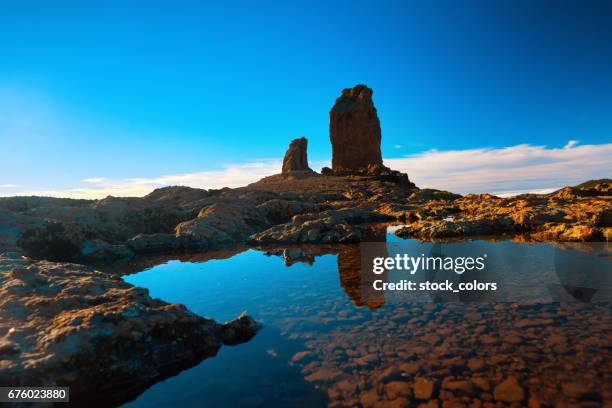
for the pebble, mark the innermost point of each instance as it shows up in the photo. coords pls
(509, 391)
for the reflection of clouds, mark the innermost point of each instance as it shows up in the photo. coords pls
(518, 169)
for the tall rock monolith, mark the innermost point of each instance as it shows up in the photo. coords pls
(354, 130)
(296, 158)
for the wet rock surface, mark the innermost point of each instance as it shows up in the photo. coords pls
(69, 325)
(366, 353)
(454, 354)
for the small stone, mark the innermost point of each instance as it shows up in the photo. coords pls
(513, 339)
(397, 389)
(525, 323)
(390, 374)
(509, 391)
(488, 339)
(423, 388)
(8, 347)
(366, 360)
(462, 386)
(240, 330)
(324, 374)
(410, 368)
(534, 402)
(302, 355)
(475, 364)
(369, 398)
(481, 383)
(575, 390)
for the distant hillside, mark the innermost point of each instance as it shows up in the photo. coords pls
(592, 183)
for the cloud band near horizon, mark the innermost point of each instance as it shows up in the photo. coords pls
(503, 171)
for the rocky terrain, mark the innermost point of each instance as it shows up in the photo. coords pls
(570, 214)
(69, 325)
(297, 205)
(305, 209)
(65, 323)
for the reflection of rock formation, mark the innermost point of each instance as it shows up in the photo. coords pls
(294, 255)
(144, 262)
(582, 276)
(355, 279)
(357, 282)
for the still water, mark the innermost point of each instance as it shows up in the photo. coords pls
(329, 340)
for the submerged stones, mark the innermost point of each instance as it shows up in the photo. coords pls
(354, 131)
(296, 158)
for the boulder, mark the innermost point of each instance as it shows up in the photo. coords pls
(220, 223)
(68, 324)
(240, 330)
(334, 226)
(354, 130)
(296, 158)
(97, 251)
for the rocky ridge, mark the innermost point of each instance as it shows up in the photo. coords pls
(569, 214)
(325, 209)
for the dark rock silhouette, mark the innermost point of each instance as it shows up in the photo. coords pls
(354, 130)
(296, 158)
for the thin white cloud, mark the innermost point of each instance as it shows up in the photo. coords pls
(517, 192)
(7, 186)
(397, 146)
(517, 169)
(502, 171)
(571, 144)
(229, 176)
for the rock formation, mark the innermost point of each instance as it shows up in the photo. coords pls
(69, 324)
(354, 130)
(296, 158)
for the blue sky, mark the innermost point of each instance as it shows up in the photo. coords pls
(141, 90)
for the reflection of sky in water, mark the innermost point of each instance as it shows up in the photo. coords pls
(221, 289)
(304, 299)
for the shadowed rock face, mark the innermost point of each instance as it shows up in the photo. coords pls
(296, 158)
(354, 130)
(67, 324)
